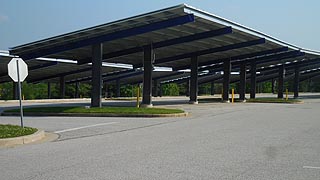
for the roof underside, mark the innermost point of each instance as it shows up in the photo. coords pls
(124, 41)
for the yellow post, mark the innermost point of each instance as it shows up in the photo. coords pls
(138, 96)
(22, 97)
(232, 99)
(287, 94)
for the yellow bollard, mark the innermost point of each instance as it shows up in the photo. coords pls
(138, 96)
(287, 94)
(22, 97)
(232, 97)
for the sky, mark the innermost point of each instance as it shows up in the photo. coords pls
(294, 21)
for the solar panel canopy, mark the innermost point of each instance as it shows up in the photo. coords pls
(176, 34)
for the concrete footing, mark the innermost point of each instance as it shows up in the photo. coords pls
(193, 102)
(146, 105)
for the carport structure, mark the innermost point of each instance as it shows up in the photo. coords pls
(54, 71)
(180, 37)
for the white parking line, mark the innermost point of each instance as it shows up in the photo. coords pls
(311, 167)
(83, 127)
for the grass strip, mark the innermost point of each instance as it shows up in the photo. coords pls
(111, 110)
(10, 131)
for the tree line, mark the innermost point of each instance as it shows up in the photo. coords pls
(40, 90)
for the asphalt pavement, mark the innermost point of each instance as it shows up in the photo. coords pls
(240, 141)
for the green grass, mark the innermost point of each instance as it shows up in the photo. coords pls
(113, 110)
(10, 131)
(273, 100)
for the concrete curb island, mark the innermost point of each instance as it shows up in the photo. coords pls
(8, 142)
(95, 114)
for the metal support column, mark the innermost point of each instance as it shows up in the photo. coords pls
(147, 76)
(155, 88)
(76, 94)
(253, 80)
(62, 87)
(226, 80)
(49, 90)
(272, 86)
(280, 81)
(212, 88)
(296, 81)
(188, 88)
(97, 51)
(160, 90)
(15, 89)
(194, 81)
(243, 76)
(118, 88)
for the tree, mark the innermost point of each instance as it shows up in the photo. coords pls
(171, 89)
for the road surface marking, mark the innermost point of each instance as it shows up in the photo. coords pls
(83, 127)
(311, 167)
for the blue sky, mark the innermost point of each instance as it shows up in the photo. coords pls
(294, 21)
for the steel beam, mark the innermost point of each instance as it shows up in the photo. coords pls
(212, 88)
(103, 76)
(226, 80)
(281, 81)
(168, 75)
(155, 88)
(188, 88)
(170, 42)
(59, 75)
(272, 86)
(118, 88)
(160, 90)
(97, 50)
(106, 37)
(147, 76)
(76, 93)
(309, 75)
(194, 81)
(253, 73)
(296, 81)
(243, 74)
(131, 74)
(62, 87)
(15, 91)
(36, 67)
(210, 51)
(49, 90)
(235, 58)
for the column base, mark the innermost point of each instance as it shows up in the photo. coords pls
(146, 105)
(193, 102)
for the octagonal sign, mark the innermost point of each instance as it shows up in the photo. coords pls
(17, 66)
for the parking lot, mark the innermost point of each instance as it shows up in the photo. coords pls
(217, 141)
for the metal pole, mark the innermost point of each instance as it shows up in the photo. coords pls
(138, 96)
(19, 89)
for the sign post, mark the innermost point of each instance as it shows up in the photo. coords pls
(18, 71)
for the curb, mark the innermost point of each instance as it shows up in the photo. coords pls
(7, 142)
(96, 114)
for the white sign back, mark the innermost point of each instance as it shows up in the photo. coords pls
(13, 70)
